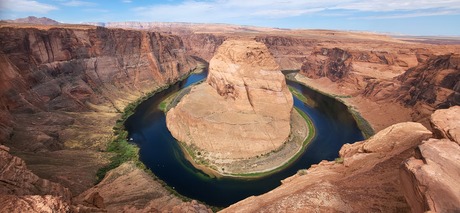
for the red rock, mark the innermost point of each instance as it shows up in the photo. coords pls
(446, 123)
(242, 111)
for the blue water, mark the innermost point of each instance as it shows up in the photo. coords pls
(160, 152)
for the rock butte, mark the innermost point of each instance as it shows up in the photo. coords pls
(242, 110)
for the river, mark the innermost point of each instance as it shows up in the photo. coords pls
(160, 152)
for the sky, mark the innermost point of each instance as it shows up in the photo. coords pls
(405, 17)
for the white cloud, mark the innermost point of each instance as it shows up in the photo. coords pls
(225, 10)
(26, 6)
(410, 15)
(76, 3)
(398, 5)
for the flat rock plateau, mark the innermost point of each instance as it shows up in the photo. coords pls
(62, 88)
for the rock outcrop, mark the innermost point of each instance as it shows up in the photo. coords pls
(130, 189)
(242, 110)
(17, 179)
(364, 179)
(432, 84)
(430, 178)
(446, 124)
(33, 203)
(334, 64)
(23, 191)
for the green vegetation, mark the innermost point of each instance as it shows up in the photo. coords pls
(301, 172)
(164, 105)
(123, 150)
(172, 100)
(298, 94)
(339, 160)
(362, 123)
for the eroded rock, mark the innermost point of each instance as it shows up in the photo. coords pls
(366, 181)
(242, 110)
(430, 178)
(446, 123)
(16, 179)
(130, 189)
(33, 203)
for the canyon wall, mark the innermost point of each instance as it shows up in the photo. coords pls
(62, 89)
(83, 70)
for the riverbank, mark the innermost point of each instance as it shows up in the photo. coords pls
(302, 133)
(370, 116)
(122, 149)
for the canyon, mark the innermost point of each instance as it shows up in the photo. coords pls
(64, 87)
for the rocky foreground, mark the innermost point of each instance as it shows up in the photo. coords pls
(243, 110)
(400, 169)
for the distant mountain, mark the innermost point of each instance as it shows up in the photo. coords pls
(183, 27)
(35, 20)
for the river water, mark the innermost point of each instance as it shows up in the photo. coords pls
(162, 155)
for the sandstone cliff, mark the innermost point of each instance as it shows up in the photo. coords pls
(241, 111)
(432, 84)
(63, 88)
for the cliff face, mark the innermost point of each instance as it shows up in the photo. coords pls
(63, 88)
(436, 82)
(84, 70)
(333, 64)
(430, 177)
(412, 76)
(64, 68)
(202, 45)
(432, 84)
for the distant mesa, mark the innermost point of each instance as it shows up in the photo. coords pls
(35, 20)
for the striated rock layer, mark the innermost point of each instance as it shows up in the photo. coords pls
(242, 110)
(64, 88)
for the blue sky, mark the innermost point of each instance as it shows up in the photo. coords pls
(412, 17)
